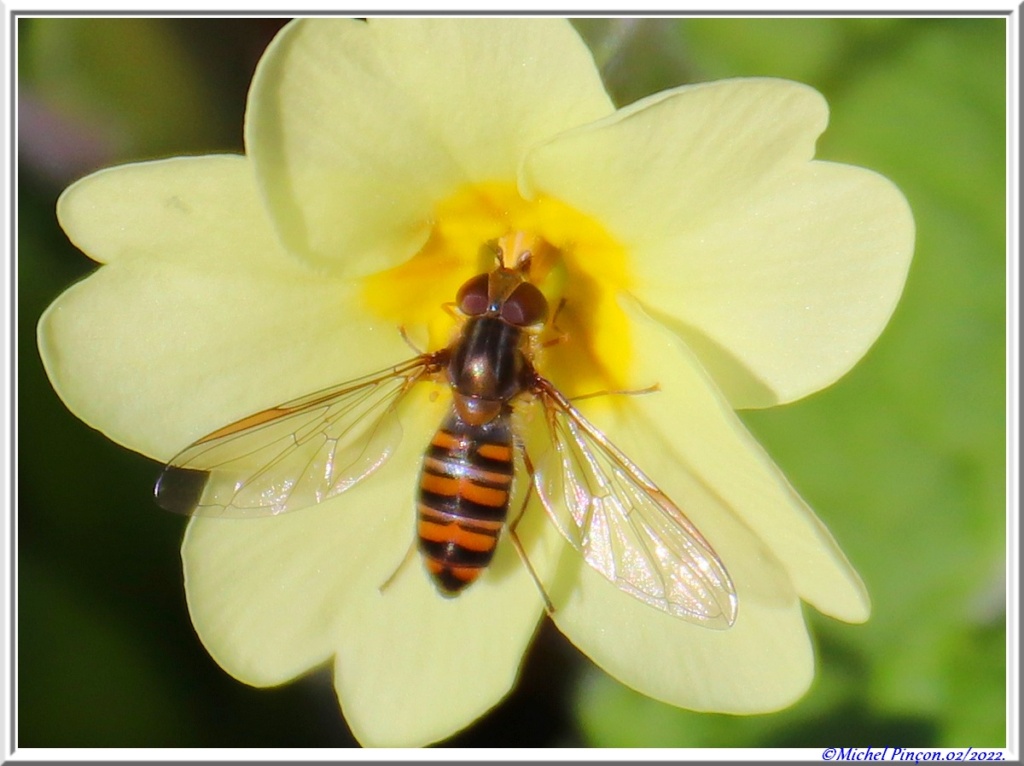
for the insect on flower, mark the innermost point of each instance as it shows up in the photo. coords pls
(304, 451)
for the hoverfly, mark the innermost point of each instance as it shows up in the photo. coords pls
(307, 450)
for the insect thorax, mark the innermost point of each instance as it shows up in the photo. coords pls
(487, 362)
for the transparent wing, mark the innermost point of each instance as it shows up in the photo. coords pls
(296, 454)
(625, 527)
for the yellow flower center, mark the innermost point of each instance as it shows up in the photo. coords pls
(576, 263)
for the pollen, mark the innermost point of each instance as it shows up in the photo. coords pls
(575, 262)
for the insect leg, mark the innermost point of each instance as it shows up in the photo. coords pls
(548, 606)
(559, 335)
(409, 343)
(654, 388)
(451, 309)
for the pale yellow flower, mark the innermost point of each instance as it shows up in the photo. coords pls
(697, 246)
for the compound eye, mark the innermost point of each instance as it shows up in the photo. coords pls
(472, 296)
(525, 306)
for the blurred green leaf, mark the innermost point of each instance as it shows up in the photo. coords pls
(131, 80)
(613, 715)
(636, 57)
(940, 368)
(981, 711)
(801, 49)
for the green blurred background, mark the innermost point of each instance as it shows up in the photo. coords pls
(904, 458)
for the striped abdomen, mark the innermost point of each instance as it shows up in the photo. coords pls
(464, 498)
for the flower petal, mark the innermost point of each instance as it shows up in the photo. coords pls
(762, 663)
(271, 598)
(779, 272)
(171, 207)
(703, 144)
(199, 318)
(791, 290)
(358, 128)
(420, 671)
(264, 593)
(689, 429)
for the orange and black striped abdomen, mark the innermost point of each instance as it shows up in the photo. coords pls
(464, 493)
